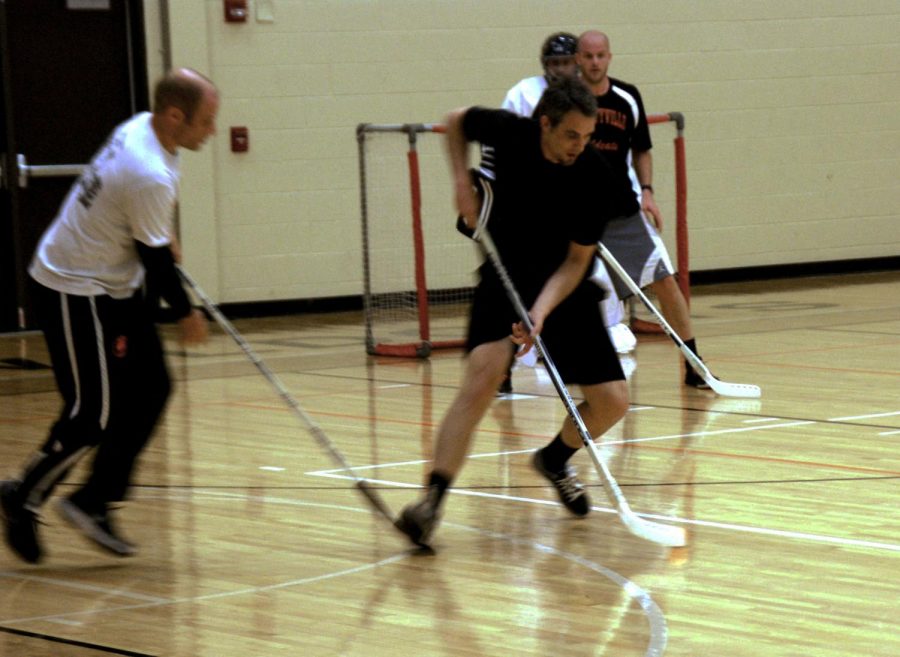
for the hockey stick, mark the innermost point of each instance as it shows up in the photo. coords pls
(371, 496)
(662, 534)
(719, 387)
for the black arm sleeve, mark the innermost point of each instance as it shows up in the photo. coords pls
(163, 278)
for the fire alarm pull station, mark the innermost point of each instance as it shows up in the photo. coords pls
(235, 11)
(240, 139)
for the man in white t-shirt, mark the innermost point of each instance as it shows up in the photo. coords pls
(113, 233)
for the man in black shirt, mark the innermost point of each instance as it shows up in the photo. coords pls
(622, 137)
(545, 186)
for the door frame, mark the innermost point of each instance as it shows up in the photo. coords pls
(139, 98)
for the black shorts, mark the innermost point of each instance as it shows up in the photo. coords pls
(575, 334)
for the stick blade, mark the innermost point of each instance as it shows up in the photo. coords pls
(726, 389)
(655, 532)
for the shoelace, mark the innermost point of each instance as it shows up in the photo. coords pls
(31, 517)
(569, 485)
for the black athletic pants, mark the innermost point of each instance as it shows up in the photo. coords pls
(110, 370)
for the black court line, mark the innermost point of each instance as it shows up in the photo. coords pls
(22, 364)
(71, 642)
(727, 482)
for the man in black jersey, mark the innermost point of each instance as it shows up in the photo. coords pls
(544, 222)
(622, 137)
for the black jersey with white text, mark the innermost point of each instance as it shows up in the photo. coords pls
(539, 207)
(621, 127)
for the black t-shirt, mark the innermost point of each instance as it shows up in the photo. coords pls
(539, 207)
(621, 126)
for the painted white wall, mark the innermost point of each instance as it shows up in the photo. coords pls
(791, 111)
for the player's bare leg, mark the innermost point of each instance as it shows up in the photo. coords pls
(604, 404)
(675, 310)
(485, 368)
(674, 306)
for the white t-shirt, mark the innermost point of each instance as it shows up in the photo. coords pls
(524, 97)
(126, 193)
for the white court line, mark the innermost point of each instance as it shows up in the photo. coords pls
(396, 385)
(211, 596)
(818, 538)
(718, 432)
(82, 587)
(889, 433)
(606, 443)
(653, 613)
(862, 417)
(761, 419)
(515, 396)
(66, 621)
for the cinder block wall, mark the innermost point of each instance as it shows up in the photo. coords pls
(791, 110)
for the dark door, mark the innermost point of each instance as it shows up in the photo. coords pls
(72, 70)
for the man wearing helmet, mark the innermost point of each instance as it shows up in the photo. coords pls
(558, 60)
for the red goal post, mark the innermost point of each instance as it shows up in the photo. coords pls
(418, 271)
(682, 258)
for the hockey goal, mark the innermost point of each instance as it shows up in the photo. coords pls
(418, 271)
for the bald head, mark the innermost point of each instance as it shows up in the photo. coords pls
(184, 89)
(593, 38)
(593, 57)
(185, 104)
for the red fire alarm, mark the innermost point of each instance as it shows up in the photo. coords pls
(235, 11)
(240, 139)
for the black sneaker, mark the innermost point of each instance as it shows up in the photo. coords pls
(694, 380)
(21, 524)
(570, 490)
(96, 526)
(506, 385)
(419, 520)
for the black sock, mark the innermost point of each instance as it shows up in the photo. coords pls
(556, 454)
(692, 345)
(437, 486)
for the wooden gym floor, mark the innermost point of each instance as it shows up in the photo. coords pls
(253, 545)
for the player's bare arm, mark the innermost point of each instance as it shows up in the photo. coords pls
(643, 166)
(560, 285)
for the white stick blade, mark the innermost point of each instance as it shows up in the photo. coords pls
(667, 535)
(727, 389)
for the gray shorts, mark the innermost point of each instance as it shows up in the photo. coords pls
(637, 246)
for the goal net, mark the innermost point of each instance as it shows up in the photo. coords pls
(418, 271)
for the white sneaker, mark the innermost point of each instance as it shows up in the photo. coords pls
(529, 359)
(622, 338)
